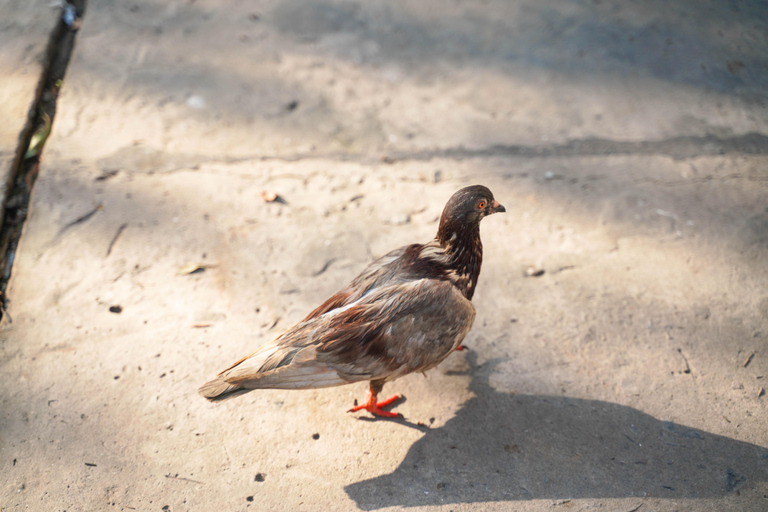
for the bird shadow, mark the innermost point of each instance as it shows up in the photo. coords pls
(505, 447)
(400, 420)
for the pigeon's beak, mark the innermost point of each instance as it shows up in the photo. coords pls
(497, 208)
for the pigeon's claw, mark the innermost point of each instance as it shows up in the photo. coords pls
(461, 347)
(375, 407)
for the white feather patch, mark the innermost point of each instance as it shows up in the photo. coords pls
(296, 377)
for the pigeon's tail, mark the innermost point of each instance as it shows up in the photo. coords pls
(219, 390)
(223, 388)
(273, 368)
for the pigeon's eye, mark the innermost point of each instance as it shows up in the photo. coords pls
(481, 205)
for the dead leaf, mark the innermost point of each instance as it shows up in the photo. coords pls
(41, 135)
(271, 322)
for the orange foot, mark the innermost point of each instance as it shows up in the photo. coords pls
(461, 347)
(374, 407)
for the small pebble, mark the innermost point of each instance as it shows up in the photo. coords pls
(531, 271)
(398, 220)
(196, 102)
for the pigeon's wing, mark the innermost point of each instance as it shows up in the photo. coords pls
(395, 330)
(392, 331)
(289, 361)
(378, 273)
(381, 325)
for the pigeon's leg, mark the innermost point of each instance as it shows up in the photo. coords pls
(373, 406)
(460, 348)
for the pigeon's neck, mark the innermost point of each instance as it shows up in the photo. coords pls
(462, 255)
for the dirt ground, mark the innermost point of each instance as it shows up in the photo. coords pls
(618, 360)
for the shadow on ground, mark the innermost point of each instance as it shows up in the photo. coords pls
(502, 447)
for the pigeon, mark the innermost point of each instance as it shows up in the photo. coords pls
(405, 313)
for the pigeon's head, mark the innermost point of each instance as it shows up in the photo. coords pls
(465, 209)
(471, 204)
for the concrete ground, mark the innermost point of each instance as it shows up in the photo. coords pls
(627, 140)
